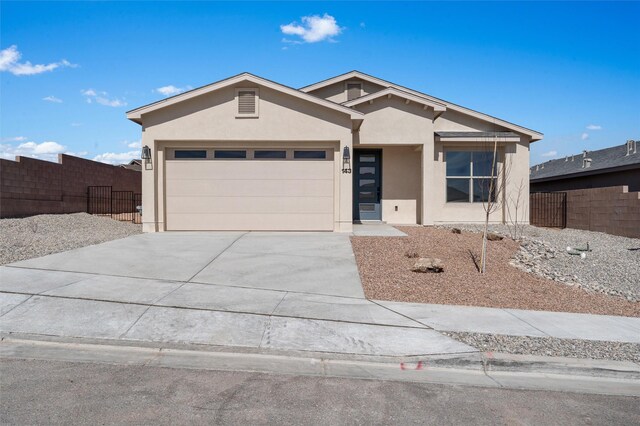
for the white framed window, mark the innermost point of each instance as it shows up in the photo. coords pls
(248, 102)
(469, 176)
(354, 89)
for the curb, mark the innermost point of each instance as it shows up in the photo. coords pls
(484, 370)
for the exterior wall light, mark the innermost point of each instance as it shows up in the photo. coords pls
(146, 156)
(346, 160)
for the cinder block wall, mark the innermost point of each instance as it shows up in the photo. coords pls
(613, 210)
(29, 186)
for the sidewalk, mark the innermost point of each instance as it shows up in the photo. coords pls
(72, 316)
(68, 304)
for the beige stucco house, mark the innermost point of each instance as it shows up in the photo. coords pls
(247, 153)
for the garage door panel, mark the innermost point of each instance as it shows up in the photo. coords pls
(246, 169)
(249, 204)
(254, 222)
(249, 187)
(269, 195)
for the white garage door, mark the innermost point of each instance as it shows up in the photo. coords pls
(249, 189)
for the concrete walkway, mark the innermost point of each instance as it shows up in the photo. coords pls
(272, 291)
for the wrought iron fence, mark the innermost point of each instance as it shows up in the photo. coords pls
(548, 209)
(120, 205)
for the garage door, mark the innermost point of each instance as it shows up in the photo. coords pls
(249, 189)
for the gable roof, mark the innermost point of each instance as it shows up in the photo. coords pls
(136, 114)
(602, 160)
(437, 106)
(450, 106)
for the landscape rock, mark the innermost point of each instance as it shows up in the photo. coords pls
(428, 264)
(612, 266)
(494, 237)
(456, 231)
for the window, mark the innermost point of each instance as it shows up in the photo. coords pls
(631, 147)
(309, 155)
(247, 102)
(269, 154)
(225, 154)
(190, 154)
(354, 90)
(469, 176)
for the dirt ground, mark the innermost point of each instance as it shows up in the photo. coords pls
(386, 275)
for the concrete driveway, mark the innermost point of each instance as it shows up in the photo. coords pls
(284, 291)
(318, 263)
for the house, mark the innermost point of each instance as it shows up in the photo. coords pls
(615, 166)
(247, 153)
(135, 164)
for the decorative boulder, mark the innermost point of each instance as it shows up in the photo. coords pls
(456, 231)
(428, 264)
(494, 237)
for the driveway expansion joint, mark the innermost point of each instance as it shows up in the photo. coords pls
(402, 315)
(218, 255)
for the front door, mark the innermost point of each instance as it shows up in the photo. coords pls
(367, 185)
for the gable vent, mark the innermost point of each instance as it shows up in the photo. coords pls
(354, 90)
(247, 102)
(631, 147)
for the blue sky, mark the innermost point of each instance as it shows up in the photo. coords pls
(70, 70)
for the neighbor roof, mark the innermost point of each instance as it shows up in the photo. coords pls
(136, 114)
(450, 106)
(602, 160)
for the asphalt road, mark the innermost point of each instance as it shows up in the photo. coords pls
(51, 392)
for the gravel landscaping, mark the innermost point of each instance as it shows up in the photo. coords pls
(550, 346)
(611, 267)
(385, 266)
(37, 236)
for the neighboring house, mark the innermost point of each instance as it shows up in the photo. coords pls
(614, 166)
(133, 165)
(247, 153)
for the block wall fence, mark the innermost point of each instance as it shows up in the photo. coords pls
(613, 210)
(30, 187)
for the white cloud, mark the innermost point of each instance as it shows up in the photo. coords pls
(9, 61)
(584, 136)
(171, 90)
(594, 127)
(101, 98)
(117, 158)
(313, 29)
(551, 153)
(75, 124)
(47, 150)
(52, 99)
(135, 144)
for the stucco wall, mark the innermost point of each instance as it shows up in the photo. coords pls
(401, 185)
(210, 120)
(392, 121)
(455, 121)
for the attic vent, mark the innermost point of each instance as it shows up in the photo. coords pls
(631, 147)
(586, 163)
(247, 102)
(354, 90)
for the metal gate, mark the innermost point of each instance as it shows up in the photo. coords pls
(548, 209)
(119, 205)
